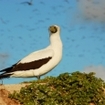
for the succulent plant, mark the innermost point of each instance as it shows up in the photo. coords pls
(67, 89)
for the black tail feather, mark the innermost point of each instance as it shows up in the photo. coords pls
(2, 76)
(5, 73)
(6, 69)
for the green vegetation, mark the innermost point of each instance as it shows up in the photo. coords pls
(66, 89)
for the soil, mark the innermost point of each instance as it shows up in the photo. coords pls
(6, 89)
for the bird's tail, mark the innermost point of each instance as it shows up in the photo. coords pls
(6, 72)
(6, 69)
(2, 76)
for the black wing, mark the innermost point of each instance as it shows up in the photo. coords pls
(7, 72)
(26, 66)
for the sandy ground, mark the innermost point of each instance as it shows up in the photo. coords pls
(10, 88)
(13, 87)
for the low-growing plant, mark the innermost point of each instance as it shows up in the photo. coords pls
(67, 89)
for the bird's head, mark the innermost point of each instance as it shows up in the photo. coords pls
(54, 29)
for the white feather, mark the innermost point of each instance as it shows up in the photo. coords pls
(44, 53)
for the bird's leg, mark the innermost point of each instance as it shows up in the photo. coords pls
(1, 82)
(38, 77)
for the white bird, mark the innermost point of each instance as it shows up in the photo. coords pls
(39, 62)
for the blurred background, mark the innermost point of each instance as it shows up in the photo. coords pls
(24, 29)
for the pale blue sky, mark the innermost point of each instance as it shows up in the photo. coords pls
(24, 29)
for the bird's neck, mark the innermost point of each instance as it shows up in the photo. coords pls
(55, 41)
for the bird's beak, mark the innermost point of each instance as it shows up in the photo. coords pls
(53, 29)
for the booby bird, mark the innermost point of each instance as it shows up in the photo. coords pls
(39, 62)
